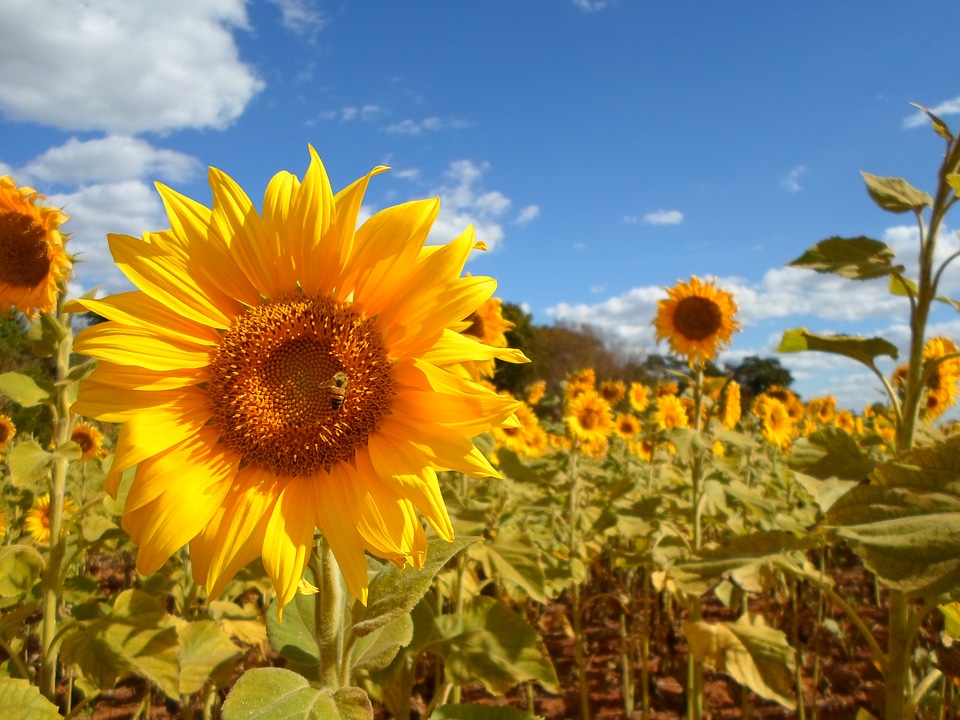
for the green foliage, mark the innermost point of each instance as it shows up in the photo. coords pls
(19, 699)
(864, 350)
(859, 258)
(276, 693)
(756, 375)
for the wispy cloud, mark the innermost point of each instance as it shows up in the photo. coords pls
(664, 217)
(791, 181)
(919, 119)
(349, 113)
(301, 16)
(590, 6)
(630, 220)
(121, 74)
(464, 201)
(530, 212)
(426, 125)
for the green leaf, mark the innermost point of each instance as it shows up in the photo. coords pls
(376, 650)
(939, 126)
(20, 567)
(902, 286)
(514, 558)
(859, 258)
(395, 591)
(953, 180)
(275, 693)
(19, 699)
(206, 654)
(137, 638)
(951, 619)
(755, 655)
(896, 195)
(861, 349)
(462, 711)
(28, 464)
(830, 453)
(22, 389)
(825, 492)
(295, 638)
(902, 523)
(490, 644)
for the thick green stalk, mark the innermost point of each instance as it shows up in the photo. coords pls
(898, 657)
(329, 619)
(694, 668)
(58, 482)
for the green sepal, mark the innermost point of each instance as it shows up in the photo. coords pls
(858, 258)
(861, 349)
(896, 195)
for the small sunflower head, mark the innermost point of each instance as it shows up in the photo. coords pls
(731, 405)
(612, 391)
(7, 432)
(33, 261)
(696, 319)
(536, 392)
(589, 417)
(90, 440)
(487, 325)
(777, 428)
(670, 413)
(627, 426)
(36, 522)
(639, 396)
(581, 382)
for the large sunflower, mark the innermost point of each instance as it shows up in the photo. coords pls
(284, 371)
(33, 260)
(696, 318)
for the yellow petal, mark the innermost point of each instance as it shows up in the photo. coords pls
(127, 377)
(319, 256)
(130, 346)
(337, 519)
(108, 404)
(289, 537)
(139, 310)
(285, 237)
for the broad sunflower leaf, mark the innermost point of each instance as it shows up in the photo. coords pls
(139, 637)
(20, 567)
(902, 523)
(515, 559)
(862, 349)
(394, 591)
(902, 286)
(490, 644)
(28, 463)
(279, 693)
(462, 711)
(895, 194)
(376, 650)
(859, 258)
(752, 653)
(20, 699)
(22, 389)
(206, 654)
(830, 453)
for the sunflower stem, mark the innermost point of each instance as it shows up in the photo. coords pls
(329, 616)
(51, 578)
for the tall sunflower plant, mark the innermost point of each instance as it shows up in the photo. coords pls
(898, 514)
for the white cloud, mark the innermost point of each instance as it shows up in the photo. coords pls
(301, 16)
(530, 212)
(791, 181)
(664, 217)
(590, 5)
(919, 119)
(352, 112)
(429, 124)
(124, 67)
(111, 159)
(130, 207)
(629, 220)
(464, 202)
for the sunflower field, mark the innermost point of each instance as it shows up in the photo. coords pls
(279, 479)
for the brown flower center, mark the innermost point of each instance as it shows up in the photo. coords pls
(299, 384)
(84, 440)
(24, 260)
(697, 318)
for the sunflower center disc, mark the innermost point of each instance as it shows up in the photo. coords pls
(23, 251)
(697, 318)
(297, 385)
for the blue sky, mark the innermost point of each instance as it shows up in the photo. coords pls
(603, 149)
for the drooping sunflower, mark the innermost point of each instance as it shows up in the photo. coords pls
(89, 438)
(639, 396)
(33, 260)
(696, 319)
(612, 391)
(283, 371)
(36, 521)
(7, 432)
(589, 418)
(730, 415)
(487, 325)
(670, 413)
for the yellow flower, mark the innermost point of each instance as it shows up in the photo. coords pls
(33, 260)
(7, 432)
(731, 405)
(89, 439)
(612, 391)
(522, 439)
(823, 409)
(942, 376)
(795, 408)
(536, 391)
(639, 396)
(589, 417)
(284, 371)
(487, 325)
(845, 421)
(36, 521)
(627, 426)
(666, 388)
(777, 427)
(643, 449)
(594, 447)
(696, 319)
(580, 382)
(670, 413)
